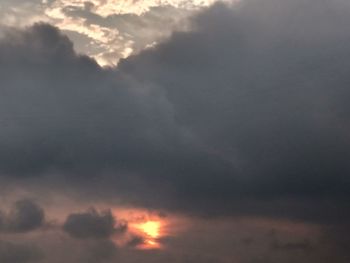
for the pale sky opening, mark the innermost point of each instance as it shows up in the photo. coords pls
(106, 30)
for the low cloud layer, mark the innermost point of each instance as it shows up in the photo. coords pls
(17, 253)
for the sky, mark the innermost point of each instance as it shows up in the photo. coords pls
(174, 131)
(106, 30)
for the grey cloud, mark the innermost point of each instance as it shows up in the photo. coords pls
(2, 220)
(68, 117)
(92, 224)
(69, 110)
(19, 12)
(263, 86)
(336, 238)
(25, 216)
(301, 245)
(102, 251)
(19, 253)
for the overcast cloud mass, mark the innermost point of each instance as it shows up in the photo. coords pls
(233, 129)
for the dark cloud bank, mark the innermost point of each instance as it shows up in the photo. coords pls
(247, 114)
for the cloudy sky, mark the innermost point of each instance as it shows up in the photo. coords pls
(174, 131)
(106, 30)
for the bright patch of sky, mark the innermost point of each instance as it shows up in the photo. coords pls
(107, 30)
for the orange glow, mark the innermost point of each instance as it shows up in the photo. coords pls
(151, 228)
(150, 231)
(150, 244)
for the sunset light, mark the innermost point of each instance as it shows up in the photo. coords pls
(148, 227)
(151, 228)
(151, 232)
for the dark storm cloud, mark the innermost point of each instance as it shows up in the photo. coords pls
(263, 86)
(245, 114)
(24, 216)
(62, 114)
(61, 111)
(92, 224)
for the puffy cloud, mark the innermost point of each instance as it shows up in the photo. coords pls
(25, 216)
(92, 224)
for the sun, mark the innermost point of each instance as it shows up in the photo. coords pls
(151, 228)
(151, 231)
